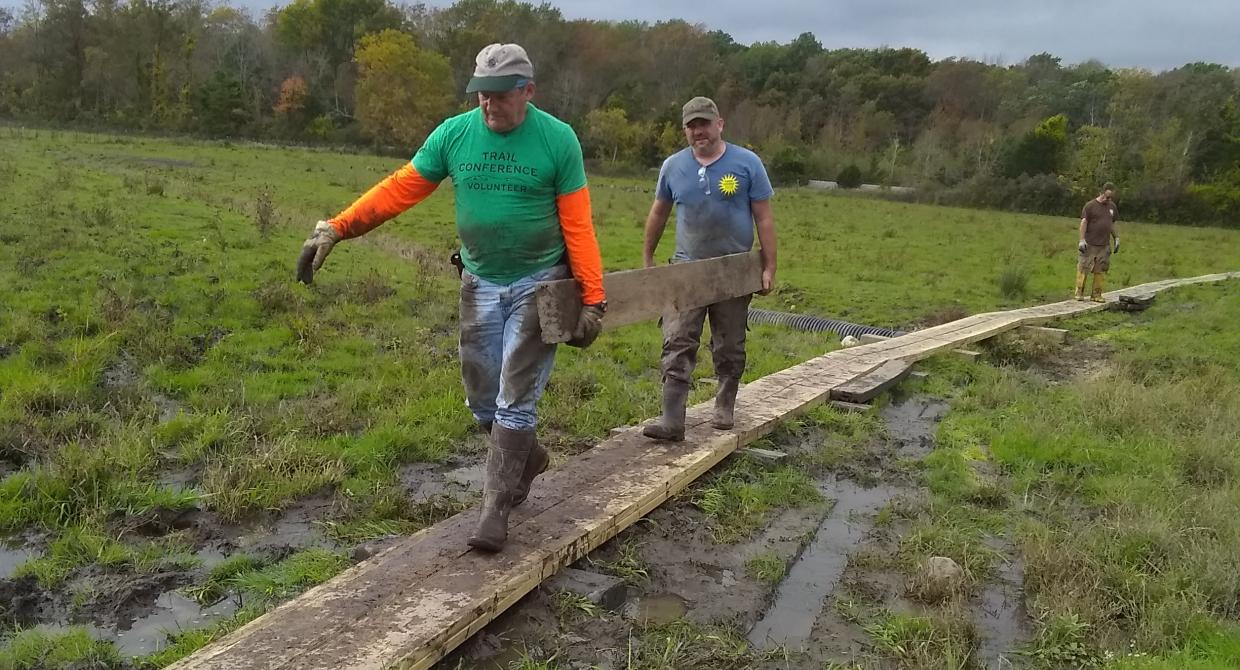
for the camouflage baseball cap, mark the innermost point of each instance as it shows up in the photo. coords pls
(500, 67)
(699, 108)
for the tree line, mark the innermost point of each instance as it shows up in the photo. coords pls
(1034, 136)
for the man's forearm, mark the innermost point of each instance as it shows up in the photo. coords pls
(656, 222)
(1082, 234)
(766, 237)
(764, 219)
(395, 194)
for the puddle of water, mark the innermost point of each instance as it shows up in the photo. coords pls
(425, 481)
(506, 659)
(910, 424)
(175, 614)
(297, 527)
(210, 556)
(657, 609)
(800, 597)
(471, 476)
(13, 555)
(1001, 620)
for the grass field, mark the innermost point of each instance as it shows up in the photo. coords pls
(163, 380)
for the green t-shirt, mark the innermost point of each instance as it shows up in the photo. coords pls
(506, 186)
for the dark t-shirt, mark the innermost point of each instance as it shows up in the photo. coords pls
(1099, 222)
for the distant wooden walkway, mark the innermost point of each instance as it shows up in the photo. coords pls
(413, 603)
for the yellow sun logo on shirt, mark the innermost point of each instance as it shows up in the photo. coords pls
(729, 184)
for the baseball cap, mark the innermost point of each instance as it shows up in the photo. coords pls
(699, 108)
(500, 67)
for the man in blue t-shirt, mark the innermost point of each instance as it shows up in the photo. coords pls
(721, 193)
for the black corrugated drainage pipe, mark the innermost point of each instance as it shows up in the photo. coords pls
(817, 324)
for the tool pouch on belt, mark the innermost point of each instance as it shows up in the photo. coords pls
(460, 265)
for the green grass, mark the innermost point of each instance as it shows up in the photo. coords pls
(38, 649)
(290, 576)
(569, 606)
(627, 563)
(738, 499)
(1120, 488)
(768, 568)
(77, 547)
(687, 646)
(922, 642)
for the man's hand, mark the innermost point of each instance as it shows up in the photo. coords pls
(1116, 249)
(589, 325)
(1080, 246)
(768, 281)
(314, 251)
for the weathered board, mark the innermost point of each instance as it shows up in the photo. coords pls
(412, 603)
(649, 293)
(869, 386)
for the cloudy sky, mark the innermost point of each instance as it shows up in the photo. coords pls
(1153, 34)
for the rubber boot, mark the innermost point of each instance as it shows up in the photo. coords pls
(510, 450)
(670, 426)
(535, 465)
(1099, 282)
(725, 403)
(1080, 285)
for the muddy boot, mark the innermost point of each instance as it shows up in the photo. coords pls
(1099, 283)
(670, 426)
(1080, 285)
(505, 466)
(725, 403)
(535, 465)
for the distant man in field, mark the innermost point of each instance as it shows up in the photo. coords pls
(523, 215)
(721, 192)
(1095, 244)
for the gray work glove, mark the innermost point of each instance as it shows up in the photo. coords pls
(1116, 249)
(1080, 246)
(589, 325)
(314, 251)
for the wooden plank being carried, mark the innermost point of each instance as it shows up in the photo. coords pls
(649, 293)
(869, 386)
(414, 602)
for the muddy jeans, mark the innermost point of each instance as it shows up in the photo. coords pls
(504, 362)
(682, 334)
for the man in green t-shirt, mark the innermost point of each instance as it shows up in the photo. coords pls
(523, 216)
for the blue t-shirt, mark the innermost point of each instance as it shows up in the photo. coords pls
(712, 203)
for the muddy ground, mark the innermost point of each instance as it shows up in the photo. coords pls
(838, 555)
(139, 610)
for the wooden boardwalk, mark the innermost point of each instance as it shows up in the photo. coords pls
(413, 603)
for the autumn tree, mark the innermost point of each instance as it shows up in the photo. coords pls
(291, 106)
(402, 91)
(612, 136)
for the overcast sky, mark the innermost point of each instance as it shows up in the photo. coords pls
(1155, 34)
